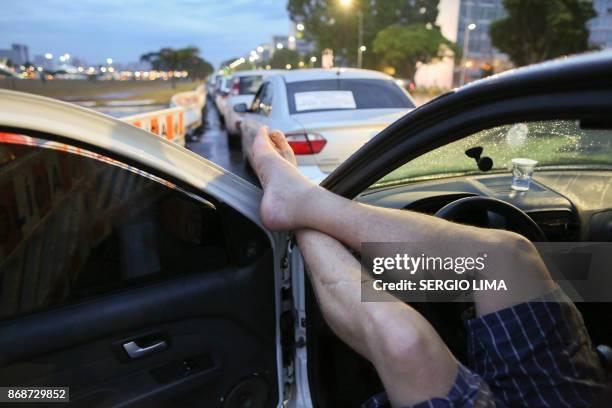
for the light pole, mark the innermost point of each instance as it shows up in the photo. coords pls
(466, 44)
(360, 46)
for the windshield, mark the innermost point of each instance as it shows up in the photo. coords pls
(338, 94)
(551, 143)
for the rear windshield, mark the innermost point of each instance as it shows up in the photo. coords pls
(337, 94)
(250, 84)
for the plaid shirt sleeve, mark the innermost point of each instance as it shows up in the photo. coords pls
(469, 390)
(535, 354)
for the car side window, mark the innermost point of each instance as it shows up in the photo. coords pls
(75, 224)
(266, 100)
(257, 98)
(262, 103)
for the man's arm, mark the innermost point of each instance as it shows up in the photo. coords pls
(412, 361)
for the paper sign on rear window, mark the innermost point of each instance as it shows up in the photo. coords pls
(324, 100)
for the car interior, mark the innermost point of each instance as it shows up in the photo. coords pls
(185, 284)
(569, 200)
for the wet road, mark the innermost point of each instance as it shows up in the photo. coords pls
(212, 144)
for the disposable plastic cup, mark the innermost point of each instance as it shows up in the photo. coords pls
(522, 172)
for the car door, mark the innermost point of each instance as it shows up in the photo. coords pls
(132, 271)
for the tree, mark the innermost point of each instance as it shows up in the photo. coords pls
(536, 30)
(403, 46)
(329, 24)
(183, 59)
(281, 58)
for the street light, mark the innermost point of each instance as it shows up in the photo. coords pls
(360, 46)
(109, 61)
(49, 56)
(466, 44)
(300, 27)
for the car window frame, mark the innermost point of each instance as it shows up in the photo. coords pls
(106, 158)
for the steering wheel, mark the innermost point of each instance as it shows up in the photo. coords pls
(482, 212)
(492, 213)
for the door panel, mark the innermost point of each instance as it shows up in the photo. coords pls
(96, 255)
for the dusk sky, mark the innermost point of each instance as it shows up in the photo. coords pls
(125, 29)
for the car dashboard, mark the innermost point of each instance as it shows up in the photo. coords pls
(567, 205)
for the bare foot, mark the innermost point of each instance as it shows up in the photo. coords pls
(284, 187)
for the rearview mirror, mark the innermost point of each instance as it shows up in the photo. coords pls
(241, 108)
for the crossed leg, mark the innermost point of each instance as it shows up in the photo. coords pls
(409, 356)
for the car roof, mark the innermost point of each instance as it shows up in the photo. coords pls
(314, 74)
(253, 72)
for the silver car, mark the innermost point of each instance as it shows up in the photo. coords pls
(243, 86)
(326, 114)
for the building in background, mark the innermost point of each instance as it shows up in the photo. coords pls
(17, 54)
(601, 26)
(480, 57)
(300, 44)
(278, 43)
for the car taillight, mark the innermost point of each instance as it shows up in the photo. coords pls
(235, 87)
(306, 143)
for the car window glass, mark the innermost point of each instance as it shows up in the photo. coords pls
(257, 98)
(555, 144)
(75, 224)
(249, 84)
(359, 93)
(266, 100)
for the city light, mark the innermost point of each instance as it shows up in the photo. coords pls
(301, 64)
(313, 59)
(363, 48)
(109, 61)
(279, 46)
(260, 49)
(469, 64)
(472, 27)
(66, 56)
(300, 27)
(237, 62)
(49, 56)
(288, 66)
(291, 39)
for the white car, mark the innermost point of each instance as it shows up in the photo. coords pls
(138, 273)
(326, 114)
(244, 85)
(222, 89)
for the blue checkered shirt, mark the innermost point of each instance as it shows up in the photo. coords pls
(535, 354)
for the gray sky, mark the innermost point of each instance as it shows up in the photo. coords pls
(125, 29)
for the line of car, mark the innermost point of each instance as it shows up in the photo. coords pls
(327, 114)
